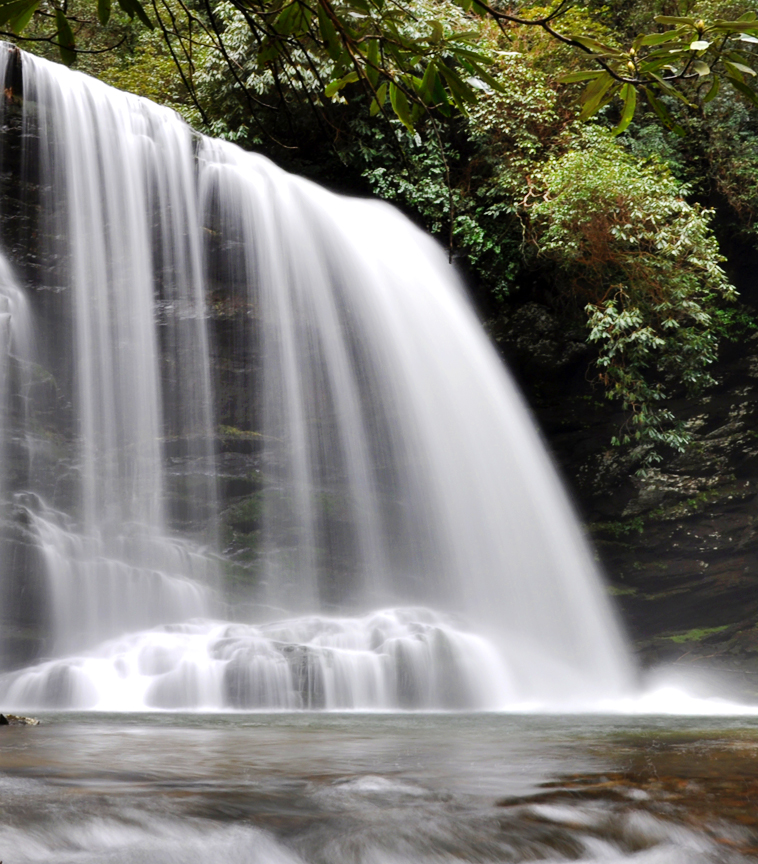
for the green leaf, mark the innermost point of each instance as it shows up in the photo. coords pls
(20, 22)
(18, 14)
(142, 15)
(103, 11)
(329, 33)
(464, 4)
(654, 65)
(660, 38)
(439, 97)
(731, 65)
(732, 71)
(400, 106)
(426, 88)
(593, 95)
(745, 90)
(701, 68)
(672, 91)
(712, 91)
(66, 44)
(134, 8)
(668, 51)
(740, 56)
(379, 100)
(629, 95)
(475, 56)
(9, 11)
(610, 93)
(460, 92)
(372, 66)
(477, 71)
(585, 75)
(597, 47)
(292, 20)
(437, 32)
(270, 49)
(736, 26)
(663, 113)
(333, 87)
(699, 45)
(467, 36)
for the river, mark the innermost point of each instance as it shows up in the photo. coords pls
(409, 788)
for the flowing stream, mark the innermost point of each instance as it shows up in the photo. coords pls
(320, 788)
(413, 547)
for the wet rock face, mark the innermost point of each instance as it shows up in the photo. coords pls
(539, 338)
(24, 612)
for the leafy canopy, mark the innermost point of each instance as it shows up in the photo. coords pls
(411, 66)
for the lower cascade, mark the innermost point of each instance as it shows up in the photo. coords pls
(257, 453)
(395, 658)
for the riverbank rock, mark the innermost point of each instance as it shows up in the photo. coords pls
(16, 720)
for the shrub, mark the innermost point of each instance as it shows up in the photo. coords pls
(648, 268)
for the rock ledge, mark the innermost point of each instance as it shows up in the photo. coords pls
(15, 720)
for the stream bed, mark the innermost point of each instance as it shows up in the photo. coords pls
(314, 788)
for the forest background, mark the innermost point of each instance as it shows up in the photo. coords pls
(603, 212)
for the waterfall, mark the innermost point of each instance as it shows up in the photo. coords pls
(117, 272)
(414, 547)
(15, 368)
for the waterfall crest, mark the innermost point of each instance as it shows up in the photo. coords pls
(398, 467)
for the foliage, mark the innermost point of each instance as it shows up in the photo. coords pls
(405, 63)
(734, 323)
(148, 70)
(692, 51)
(724, 144)
(483, 175)
(646, 263)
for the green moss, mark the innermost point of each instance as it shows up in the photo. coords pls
(241, 532)
(247, 511)
(691, 506)
(242, 434)
(619, 528)
(617, 591)
(679, 510)
(240, 577)
(696, 635)
(647, 566)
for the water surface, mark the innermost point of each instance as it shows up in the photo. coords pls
(378, 789)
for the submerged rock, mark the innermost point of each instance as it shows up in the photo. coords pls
(16, 720)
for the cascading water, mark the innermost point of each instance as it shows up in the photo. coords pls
(398, 469)
(111, 227)
(15, 353)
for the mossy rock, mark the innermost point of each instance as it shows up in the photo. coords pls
(244, 516)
